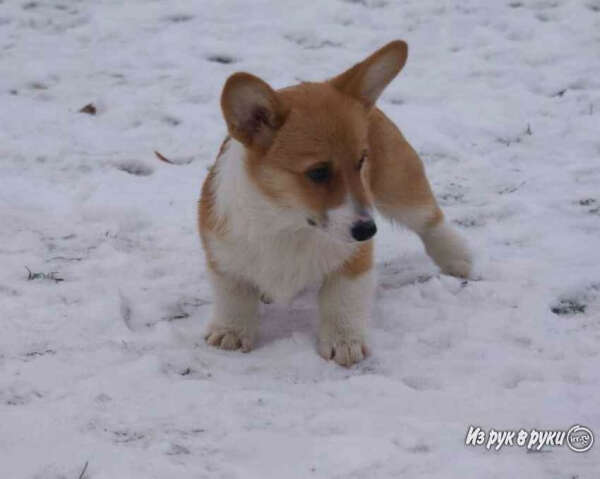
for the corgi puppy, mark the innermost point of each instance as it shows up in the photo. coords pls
(290, 198)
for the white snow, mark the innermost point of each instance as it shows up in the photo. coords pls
(108, 367)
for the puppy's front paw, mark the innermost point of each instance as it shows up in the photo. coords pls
(343, 350)
(224, 337)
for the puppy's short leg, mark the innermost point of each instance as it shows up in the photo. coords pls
(235, 314)
(345, 303)
(402, 193)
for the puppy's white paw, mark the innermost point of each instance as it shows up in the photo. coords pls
(449, 250)
(229, 338)
(461, 268)
(344, 351)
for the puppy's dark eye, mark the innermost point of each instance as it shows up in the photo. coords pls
(362, 160)
(320, 174)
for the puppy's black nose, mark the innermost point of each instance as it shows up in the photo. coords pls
(363, 230)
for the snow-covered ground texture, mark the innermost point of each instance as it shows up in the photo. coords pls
(102, 359)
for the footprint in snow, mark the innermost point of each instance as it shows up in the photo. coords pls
(224, 59)
(576, 302)
(134, 167)
(421, 383)
(179, 18)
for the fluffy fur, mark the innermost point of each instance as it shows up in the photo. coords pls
(288, 202)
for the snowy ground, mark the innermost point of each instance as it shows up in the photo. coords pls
(108, 366)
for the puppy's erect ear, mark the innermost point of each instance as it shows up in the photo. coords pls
(251, 109)
(366, 80)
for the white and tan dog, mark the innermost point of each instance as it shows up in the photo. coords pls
(289, 200)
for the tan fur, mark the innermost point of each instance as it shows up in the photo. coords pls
(280, 138)
(360, 262)
(252, 110)
(396, 174)
(326, 126)
(365, 83)
(323, 127)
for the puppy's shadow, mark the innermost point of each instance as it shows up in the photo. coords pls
(280, 321)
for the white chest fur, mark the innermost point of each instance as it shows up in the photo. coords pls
(267, 245)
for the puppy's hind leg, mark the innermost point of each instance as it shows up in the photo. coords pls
(443, 243)
(402, 193)
(446, 247)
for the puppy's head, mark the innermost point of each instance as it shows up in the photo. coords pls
(308, 145)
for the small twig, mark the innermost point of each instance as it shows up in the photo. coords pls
(30, 275)
(163, 158)
(52, 276)
(83, 470)
(177, 162)
(66, 258)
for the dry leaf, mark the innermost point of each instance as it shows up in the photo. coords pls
(90, 109)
